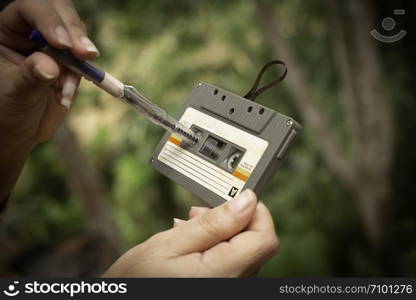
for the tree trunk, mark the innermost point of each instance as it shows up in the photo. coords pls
(85, 182)
(364, 167)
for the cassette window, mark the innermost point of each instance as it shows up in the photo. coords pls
(212, 148)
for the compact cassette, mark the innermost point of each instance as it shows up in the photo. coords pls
(241, 144)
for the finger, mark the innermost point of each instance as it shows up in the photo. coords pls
(28, 80)
(20, 17)
(177, 222)
(52, 118)
(262, 220)
(83, 47)
(197, 211)
(218, 224)
(69, 86)
(10, 57)
(247, 251)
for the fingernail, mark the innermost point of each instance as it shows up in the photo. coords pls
(44, 74)
(68, 88)
(66, 102)
(242, 201)
(198, 210)
(89, 45)
(176, 220)
(68, 92)
(63, 36)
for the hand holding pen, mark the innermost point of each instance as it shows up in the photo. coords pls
(35, 91)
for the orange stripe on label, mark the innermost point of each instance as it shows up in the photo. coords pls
(175, 141)
(240, 176)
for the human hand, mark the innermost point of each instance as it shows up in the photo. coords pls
(35, 92)
(231, 240)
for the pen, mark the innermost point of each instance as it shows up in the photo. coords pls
(127, 94)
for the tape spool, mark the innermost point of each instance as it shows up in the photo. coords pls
(212, 148)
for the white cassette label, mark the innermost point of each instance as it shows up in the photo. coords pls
(224, 184)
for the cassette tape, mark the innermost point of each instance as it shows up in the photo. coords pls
(241, 145)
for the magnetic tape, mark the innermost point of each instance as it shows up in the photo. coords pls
(240, 144)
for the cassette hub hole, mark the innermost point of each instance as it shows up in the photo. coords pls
(233, 159)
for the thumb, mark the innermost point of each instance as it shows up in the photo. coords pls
(217, 225)
(28, 80)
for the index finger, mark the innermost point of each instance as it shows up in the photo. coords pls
(262, 220)
(83, 47)
(22, 16)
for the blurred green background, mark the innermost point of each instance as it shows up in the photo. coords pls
(343, 201)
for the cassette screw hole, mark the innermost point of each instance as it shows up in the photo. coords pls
(223, 97)
(231, 111)
(215, 92)
(261, 111)
(289, 123)
(250, 109)
(233, 160)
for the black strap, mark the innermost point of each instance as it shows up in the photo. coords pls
(255, 91)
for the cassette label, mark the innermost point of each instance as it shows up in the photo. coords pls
(206, 173)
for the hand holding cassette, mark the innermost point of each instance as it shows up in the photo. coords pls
(210, 244)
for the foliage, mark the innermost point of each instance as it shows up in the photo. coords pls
(163, 48)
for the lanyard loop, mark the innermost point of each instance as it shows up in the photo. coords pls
(255, 91)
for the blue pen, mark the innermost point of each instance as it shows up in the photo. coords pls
(126, 93)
